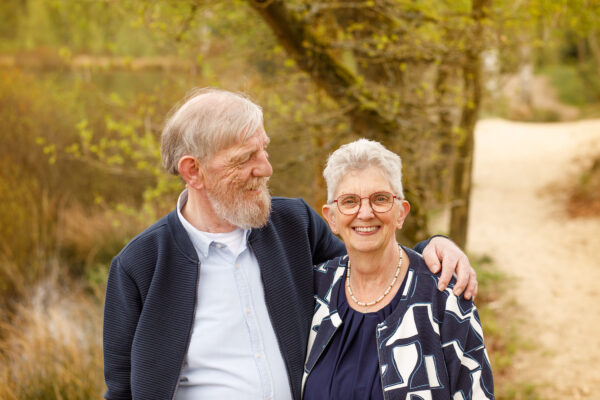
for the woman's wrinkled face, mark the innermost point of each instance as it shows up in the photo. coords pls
(366, 231)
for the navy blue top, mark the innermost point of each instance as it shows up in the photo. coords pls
(349, 366)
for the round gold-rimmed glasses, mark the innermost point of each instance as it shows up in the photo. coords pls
(380, 202)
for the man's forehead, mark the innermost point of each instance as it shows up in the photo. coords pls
(259, 137)
(258, 140)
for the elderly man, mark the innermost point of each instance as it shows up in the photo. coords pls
(215, 299)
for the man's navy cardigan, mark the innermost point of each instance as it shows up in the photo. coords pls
(151, 298)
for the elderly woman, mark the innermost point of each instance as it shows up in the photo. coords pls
(381, 329)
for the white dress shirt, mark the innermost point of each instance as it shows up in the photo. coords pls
(233, 351)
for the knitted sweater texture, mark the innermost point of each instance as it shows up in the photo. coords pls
(151, 298)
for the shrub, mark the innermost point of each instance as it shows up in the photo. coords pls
(52, 349)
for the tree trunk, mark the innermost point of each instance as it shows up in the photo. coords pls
(341, 84)
(594, 47)
(445, 132)
(462, 182)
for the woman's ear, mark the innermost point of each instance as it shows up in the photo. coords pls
(191, 171)
(404, 209)
(329, 215)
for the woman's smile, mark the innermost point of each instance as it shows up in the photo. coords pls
(365, 229)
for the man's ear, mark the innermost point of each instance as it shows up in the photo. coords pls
(403, 213)
(191, 171)
(329, 215)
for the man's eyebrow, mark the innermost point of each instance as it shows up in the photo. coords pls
(242, 156)
(250, 152)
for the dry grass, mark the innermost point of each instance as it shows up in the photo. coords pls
(50, 327)
(52, 347)
(28, 231)
(584, 198)
(497, 313)
(90, 237)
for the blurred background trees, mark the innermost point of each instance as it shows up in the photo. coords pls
(85, 87)
(407, 74)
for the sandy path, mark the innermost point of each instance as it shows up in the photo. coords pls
(518, 218)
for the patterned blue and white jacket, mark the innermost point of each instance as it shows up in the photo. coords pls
(430, 347)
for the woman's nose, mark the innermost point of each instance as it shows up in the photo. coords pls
(365, 211)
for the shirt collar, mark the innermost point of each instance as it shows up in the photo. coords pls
(201, 242)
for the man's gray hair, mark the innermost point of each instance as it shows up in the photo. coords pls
(358, 155)
(208, 120)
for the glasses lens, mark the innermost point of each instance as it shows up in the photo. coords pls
(348, 203)
(381, 201)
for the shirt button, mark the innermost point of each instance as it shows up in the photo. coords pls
(258, 355)
(248, 311)
(237, 265)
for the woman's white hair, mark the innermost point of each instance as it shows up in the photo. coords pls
(358, 155)
(207, 121)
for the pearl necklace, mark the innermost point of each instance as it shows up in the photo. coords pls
(363, 304)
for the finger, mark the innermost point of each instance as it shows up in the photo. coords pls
(465, 273)
(448, 267)
(432, 260)
(472, 287)
(463, 277)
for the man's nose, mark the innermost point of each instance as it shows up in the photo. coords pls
(263, 166)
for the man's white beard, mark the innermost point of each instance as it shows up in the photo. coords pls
(229, 204)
